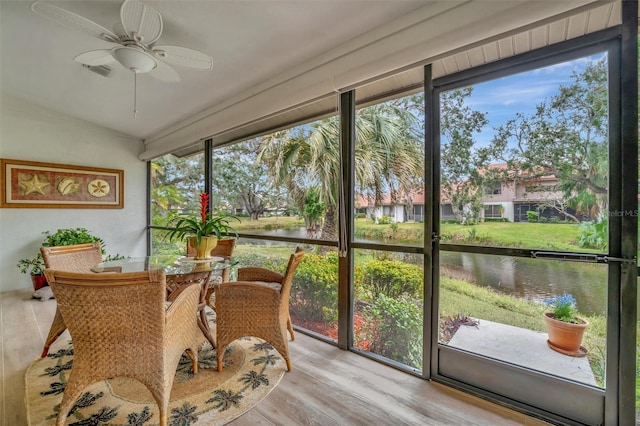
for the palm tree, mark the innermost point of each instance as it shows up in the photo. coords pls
(388, 158)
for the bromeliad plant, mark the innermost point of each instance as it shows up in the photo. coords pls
(206, 224)
(564, 308)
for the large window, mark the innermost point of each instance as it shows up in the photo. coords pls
(176, 184)
(546, 156)
(389, 169)
(284, 185)
(388, 283)
(513, 188)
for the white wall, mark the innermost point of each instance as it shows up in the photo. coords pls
(29, 132)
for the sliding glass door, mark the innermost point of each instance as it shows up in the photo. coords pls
(524, 207)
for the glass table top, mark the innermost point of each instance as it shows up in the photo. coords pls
(172, 265)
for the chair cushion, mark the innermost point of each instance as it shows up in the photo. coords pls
(215, 279)
(274, 286)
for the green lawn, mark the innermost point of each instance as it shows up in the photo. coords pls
(556, 236)
(267, 223)
(503, 234)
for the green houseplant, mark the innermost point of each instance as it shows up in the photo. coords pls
(564, 326)
(203, 230)
(69, 237)
(62, 237)
(35, 268)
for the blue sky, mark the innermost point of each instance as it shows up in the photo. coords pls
(503, 97)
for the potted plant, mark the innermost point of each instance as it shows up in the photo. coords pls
(564, 326)
(204, 230)
(35, 268)
(70, 237)
(62, 237)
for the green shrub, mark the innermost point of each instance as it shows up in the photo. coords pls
(384, 220)
(594, 235)
(391, 278)
(314, 293)
(496, 219)
(393, 328)
(532, 216)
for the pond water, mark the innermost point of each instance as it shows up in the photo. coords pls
(531, 279)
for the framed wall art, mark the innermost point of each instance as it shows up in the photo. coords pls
(33, 184)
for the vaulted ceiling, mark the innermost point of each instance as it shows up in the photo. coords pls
(253, 42)
(250, 41)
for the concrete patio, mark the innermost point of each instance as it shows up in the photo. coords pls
(522, 347)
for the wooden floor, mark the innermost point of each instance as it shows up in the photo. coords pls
(327, 386)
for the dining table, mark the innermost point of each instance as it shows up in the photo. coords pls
(173, 266)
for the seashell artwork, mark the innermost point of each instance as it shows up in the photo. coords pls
(68, 186)
(33, 185)
(98, 188)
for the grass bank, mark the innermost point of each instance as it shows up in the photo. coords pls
(461, 297)
(267, 223)
(556, 236)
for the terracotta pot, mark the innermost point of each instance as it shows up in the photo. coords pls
(38, 281)
(203, 250)
(565, 337)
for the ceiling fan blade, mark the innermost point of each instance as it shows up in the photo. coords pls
(141, 22)
(184, 57)
(73, 21)
(164, 72)
(95, 57)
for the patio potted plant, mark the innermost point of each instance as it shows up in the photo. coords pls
(204, 230)
(564, 326)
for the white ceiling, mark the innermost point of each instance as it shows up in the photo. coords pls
(250, 41)
(261, 50)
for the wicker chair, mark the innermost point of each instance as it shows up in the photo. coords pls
(256, 305)
(223, 248)
(120, 327)
(175, 284)
(74, 258)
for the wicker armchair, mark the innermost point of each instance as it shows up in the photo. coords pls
(223, 248)
(74, 258)
(175, 284)
(256, 305)
(120, 327)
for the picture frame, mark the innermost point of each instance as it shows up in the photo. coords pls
(31, 184)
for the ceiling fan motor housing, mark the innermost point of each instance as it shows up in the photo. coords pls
(103, 70)
(134, 59)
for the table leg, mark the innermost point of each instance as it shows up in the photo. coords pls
(204, 324)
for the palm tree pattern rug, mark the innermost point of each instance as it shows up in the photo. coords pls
(252, 369)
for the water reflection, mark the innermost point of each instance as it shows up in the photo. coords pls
(532, 279)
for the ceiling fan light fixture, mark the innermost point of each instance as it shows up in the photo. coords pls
(134, 59)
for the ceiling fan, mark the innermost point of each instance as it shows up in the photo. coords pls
(135, 37)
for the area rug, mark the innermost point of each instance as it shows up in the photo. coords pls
(252, 369)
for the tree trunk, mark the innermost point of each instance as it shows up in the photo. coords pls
(329, 228)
